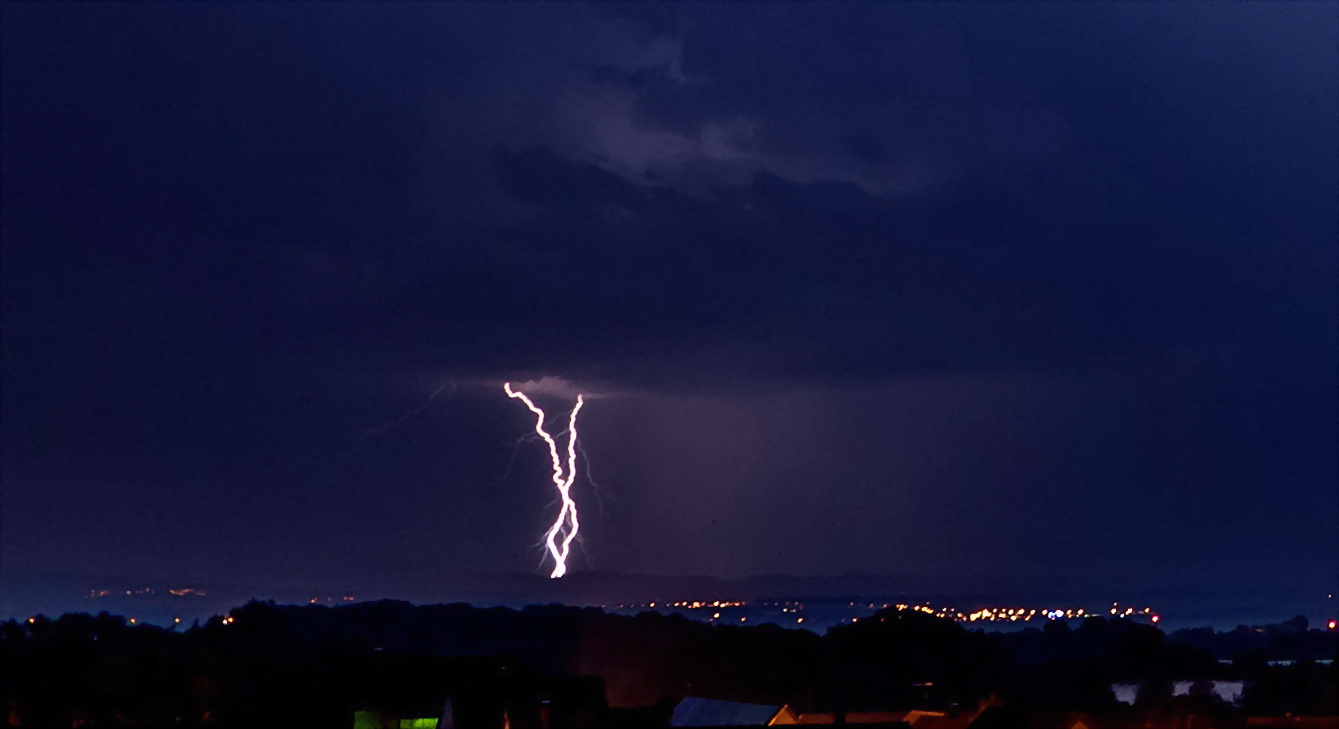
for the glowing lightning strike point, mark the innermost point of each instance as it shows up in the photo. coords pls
(562, 479)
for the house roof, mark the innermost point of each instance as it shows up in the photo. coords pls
(873, 717)
(938, 720)
(694, 711)
(852, 717)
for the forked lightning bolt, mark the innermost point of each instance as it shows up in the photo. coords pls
(562, 479)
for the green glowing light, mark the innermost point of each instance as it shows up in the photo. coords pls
(374, 720)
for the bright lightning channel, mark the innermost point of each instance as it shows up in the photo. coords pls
(567, 525)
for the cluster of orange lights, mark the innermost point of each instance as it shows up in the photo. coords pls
(1000, 614)
(685, 604)
(1019, 614)
(985, 614)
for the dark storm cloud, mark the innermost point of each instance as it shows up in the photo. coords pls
(237, 236)
(921, 196)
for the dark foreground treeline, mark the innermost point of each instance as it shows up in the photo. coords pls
(271, 665)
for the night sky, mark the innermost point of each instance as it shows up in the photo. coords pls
(1041, 293)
